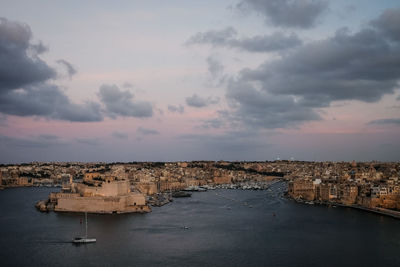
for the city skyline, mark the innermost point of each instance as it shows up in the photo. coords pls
(233, 80)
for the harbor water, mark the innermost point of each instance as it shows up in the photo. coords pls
(213, 228)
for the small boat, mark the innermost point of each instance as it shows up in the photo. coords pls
(85, 239)
(181, 194)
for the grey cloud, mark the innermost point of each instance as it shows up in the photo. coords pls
(87, 112)
(47, 101)
(349, 9)
(361, 66)
(127, 85)
(391, 121)
(119, 135)
(287, 13)
(3, 120)
(214, 67)
(88, 141)
(213, 37)
(70, 68)
(48, 137)
(258, 108)
(199, 102)
(398, 98)
(145, 131)
(160, 111)
(288, 91)
(17, 68)
(41, 141)
(213, 123)
(178, 109)
(39, 48)
(24, 87)
(267, 43)
(388, 22)
(260, 43)
(346, 11)
(121, 103)
(226, 143)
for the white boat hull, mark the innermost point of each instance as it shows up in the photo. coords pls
(83, 240)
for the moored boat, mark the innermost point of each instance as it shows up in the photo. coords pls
(85, 239)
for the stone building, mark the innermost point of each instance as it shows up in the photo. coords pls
(100, 194)
(303, 189)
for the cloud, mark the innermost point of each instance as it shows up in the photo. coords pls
(145, 131)
(3, 120)
(268, 43)
(127, 85)
(388, 22)
(88, 141)
(287, 13)
(41, 141)
(216, 70)
(227, 143)
(179, 109)
(213, 123)
(18, 68)
(214, 67)
(391, 121)
(119, 135)
(260, 109)
(70, 68)
(24, 80)
(288, 91)
(47, 101)
(361, 66)
(25, 88)
(213, 37)
(39, 48)
(348, 10)
(260, 43)
(199, 102)
(121, 103)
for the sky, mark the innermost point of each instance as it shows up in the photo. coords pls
(251, 80)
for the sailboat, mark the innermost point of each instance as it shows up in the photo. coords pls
(85, 239)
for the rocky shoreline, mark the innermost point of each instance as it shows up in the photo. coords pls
(159, 199)
(45, 205)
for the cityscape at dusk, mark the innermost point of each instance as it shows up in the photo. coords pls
(200, 133)
(211, 80)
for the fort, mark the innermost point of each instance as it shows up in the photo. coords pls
(97, 193)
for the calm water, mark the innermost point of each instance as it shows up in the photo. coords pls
(225, 228)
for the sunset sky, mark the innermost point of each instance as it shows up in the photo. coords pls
(199, 80)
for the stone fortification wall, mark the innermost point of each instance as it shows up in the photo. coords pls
(119, 204)
(147, 188)
(115, 188)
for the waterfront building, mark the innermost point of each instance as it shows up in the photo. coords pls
(99, 194)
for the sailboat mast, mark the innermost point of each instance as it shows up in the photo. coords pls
(86, 223)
